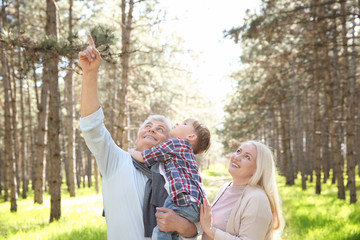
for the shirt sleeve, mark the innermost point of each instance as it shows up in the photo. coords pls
(199, 228)
(255, 220)
(160, 153)
(98, 139)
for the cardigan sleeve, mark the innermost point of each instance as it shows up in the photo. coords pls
(255, 219)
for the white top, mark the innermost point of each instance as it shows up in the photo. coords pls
(123, 186)
(162, 172)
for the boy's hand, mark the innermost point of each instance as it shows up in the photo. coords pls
(136, 155)
(90, 58)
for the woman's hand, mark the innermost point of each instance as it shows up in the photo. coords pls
(206, 218)
(90, 58)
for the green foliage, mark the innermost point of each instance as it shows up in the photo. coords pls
(216, 170)
(214, 178)
(103, 37)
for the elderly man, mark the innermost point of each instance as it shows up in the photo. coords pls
(124, 184)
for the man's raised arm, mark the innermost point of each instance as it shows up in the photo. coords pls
(90, 61)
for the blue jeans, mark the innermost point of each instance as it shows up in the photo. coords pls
(190, 212)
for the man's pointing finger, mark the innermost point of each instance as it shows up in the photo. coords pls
(91, 41)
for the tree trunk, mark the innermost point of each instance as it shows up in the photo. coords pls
(276, 138)
(327, 112)
(41, 140)
(326, 156)
(298, 129)
(350, 139)
(63, 142)
(316, 75)
(126, 22)
(8, 152)
(79, 165)
(309, 132)
(69, 130)
(1, 170)
(345, 74)
(357, 117)
(335, 128)
(12, 155)
(31, 135)
(69, 126)
(317, 134)
(51, 73)
(24, 143)
(357, 129)
(79, 148)
(15, 76)
(23, 153)
(9, 158)
(14, 119)
(285, 142)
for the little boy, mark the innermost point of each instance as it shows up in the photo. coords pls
(180, 170)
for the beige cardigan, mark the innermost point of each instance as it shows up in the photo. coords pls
(251, 217)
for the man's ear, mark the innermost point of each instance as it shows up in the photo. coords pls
(191, 137)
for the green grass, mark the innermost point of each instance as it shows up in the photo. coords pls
(80, 218)
(308, 216)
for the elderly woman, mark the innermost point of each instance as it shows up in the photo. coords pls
(249, 206)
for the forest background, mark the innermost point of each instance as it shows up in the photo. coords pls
(295, 87)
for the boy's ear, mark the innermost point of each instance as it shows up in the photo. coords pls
(191, 137)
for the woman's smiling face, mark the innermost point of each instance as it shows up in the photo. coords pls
(243, 163)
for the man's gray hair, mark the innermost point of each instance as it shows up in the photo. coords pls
(159, 118)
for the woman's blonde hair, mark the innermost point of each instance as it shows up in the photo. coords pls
(265, 178)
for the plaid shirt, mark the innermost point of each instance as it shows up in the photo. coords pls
(181, 170)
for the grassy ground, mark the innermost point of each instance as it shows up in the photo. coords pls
(308, 216)
(81, 218)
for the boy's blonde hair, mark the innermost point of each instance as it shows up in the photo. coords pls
(202, 144)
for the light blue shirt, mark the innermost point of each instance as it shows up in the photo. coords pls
(123, 186)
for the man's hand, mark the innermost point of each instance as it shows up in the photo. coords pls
(169, 221)
(90, 58)
(90, 61)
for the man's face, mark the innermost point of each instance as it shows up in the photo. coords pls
(152, 134)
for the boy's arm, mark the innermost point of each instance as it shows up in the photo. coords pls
(136, 155)
(160, 153)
